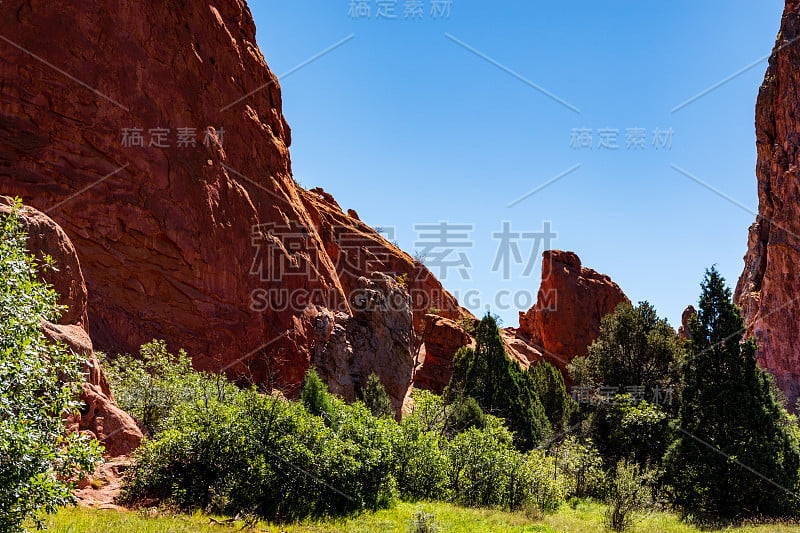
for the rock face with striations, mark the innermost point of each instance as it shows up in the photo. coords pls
(101, 416)
(378, 337)
(768, 289)
(572, 300)
(156, 139)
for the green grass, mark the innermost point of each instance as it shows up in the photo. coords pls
(586, 517)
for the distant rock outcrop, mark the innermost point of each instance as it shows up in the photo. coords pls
(101, 416)
(572, 300)
(768, 291)
(683, 330)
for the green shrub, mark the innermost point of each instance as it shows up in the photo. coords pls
(468, 324)
(314, 394)
(270, 457)
(151, 386)
(464, 413)
(274, 458)
(420, 458)
(480, 463)
(630, 495)
(581, 466)
(627, 429)
(544, 485)
(38, 383)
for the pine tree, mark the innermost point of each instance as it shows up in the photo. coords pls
(314, 395)
(733, 457)
(499, 385)
(548, 382)
(376, 399)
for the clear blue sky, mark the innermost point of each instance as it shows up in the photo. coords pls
(408, 126)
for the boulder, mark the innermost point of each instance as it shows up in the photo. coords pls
(101, 416)
(441, 338)
(378, 337)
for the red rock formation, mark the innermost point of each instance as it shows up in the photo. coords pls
(683, 330)
(572, 301)
(378, 337)
(101, 417)
(565, 320)
(769, 287)
(441, 338)
(198, 236)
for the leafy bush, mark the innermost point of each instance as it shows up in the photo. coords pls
(38, 383)
(266, 456)
(420, 458)
(545, 486)
(627, 429)
(630, 495)
(480, 462)
(151, 386)
(582, 468)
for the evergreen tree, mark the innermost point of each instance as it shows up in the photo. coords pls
(732, 457)
(635, 348)
(499, 385)
(464, 413)
(637, 357)
(314, 395)
(548, 382)
(376, 399)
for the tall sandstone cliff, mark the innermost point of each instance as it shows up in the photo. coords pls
(152, 132)
(769, 289)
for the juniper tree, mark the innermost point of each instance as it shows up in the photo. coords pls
(499, 385)
(732, 457)
(376, 399)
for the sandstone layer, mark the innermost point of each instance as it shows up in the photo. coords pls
(769, 286)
